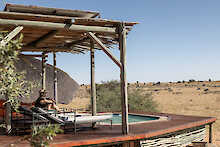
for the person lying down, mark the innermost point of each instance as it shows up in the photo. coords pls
(46, 103)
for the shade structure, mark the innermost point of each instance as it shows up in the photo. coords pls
(51, 30)
(59, 30)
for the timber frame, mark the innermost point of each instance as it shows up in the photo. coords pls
(51, 30)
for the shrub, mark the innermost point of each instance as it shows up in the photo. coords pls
(12, 83)
(191, 80)
(43, 134)
(140, 101)
(109, 98)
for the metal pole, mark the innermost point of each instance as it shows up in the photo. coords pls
(124, 94)
(93, 87)
(55, 77)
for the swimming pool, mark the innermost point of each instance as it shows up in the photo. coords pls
(132, 119)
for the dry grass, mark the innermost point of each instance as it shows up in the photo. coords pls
(81, 100)
(178, 98)
(190, 100)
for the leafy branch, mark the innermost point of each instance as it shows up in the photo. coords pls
(12, 83)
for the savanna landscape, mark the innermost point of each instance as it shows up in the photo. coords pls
(200, 98)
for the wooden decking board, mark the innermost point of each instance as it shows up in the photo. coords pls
(104, 134)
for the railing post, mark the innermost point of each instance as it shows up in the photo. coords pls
(210, 133)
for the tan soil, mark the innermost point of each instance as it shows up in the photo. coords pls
(179, 98)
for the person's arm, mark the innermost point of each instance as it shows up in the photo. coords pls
(44, 101)
(51, 100)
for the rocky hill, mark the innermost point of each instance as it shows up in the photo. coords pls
(67, 87)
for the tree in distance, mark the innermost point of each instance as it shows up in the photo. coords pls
(109, 98)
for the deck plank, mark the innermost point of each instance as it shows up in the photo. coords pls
(104, 133)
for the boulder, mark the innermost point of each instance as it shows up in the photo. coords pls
(67, 87)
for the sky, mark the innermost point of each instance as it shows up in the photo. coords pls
(175, 40)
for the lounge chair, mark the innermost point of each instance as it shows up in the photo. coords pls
(29, 112)
(65, 120)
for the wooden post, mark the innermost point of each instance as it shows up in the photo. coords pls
(124, 94)
(93, 87)
(8, 116)
(55, 77)
(210, 133)
(44, 70)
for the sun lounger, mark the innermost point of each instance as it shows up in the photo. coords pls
(73, 119)
(89, 119)
(48, 115)
(29, 112)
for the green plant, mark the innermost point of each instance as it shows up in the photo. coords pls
(12, 83)
(43, 134)
(138, 100)
(109, 98)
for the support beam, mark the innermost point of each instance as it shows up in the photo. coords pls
(11, 35)
(44, 70)
(32, 55)
(42, 38)
(105, 49)
(210, 133)
(36, 17)
(48, 49)
(55, 77)
(93, 87)
(57, 26)
(124, 93)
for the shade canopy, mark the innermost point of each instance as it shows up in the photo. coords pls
(59, 30)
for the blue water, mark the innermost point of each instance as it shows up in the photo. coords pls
(132, 118)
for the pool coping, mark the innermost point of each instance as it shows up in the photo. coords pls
(161, 118)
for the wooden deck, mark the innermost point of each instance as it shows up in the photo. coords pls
(104, 134)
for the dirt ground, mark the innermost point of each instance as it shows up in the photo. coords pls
(200, 99)
(188, 98)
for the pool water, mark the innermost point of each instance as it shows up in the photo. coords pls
(132, 118)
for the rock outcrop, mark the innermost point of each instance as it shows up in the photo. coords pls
(67, 87)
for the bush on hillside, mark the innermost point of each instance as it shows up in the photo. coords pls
(109, 98)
